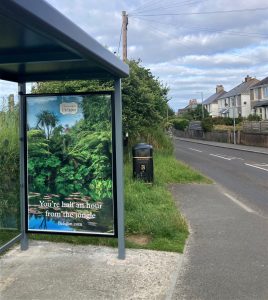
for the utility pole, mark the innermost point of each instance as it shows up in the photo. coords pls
(124, 34)
(234, 119)
(202, 105)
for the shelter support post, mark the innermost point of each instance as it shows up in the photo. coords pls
(22, 92)
(119, 169)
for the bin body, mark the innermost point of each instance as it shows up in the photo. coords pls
(143, 168)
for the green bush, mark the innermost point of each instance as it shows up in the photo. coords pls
(253, 118)
(226, 121)
(207, 124)
(180, 124)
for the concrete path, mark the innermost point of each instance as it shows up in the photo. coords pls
(53, 271)
(227, 252)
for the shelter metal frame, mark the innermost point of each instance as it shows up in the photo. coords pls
(40, 44)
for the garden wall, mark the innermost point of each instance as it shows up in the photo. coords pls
(243, 138)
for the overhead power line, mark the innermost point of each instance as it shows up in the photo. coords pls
(165, 7)
(206, 29)
(118, 49)
(187, 44)
(202, 13)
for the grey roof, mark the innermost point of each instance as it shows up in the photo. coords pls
(260, 103)
(242, 88)
(214, 97)
(260, 83)
(39, 43)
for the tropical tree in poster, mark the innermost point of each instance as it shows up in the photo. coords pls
(70, 165)
(47, 121)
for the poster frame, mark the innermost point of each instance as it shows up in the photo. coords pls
(114, 164)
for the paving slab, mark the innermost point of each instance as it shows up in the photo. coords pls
(63, 271)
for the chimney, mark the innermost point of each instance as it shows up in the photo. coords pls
(248, 78)
(219, 88)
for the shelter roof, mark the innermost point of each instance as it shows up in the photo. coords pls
(38, 43)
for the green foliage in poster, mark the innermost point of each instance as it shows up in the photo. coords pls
(73, 159)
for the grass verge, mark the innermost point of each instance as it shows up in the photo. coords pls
(151, 219)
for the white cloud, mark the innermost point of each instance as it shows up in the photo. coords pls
(191, 53)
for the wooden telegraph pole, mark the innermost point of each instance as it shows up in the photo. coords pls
(124, 34)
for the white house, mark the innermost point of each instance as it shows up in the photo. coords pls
(237, 101)
(259, 98)
(211, 103)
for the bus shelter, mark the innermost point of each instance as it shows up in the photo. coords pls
(39, 44)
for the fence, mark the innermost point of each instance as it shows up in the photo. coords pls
(255, 127)
(243, 138)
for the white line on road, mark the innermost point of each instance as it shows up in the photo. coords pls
(242, 205)
(219, 156)
(195, 150)
(257, 167)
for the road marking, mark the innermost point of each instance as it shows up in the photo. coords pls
(195, 150)
(242, 205)
(223, 156)
(219, 156)
(257, 167)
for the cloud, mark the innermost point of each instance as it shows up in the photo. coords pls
(192, 53)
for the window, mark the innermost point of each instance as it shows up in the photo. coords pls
(251, 94)
(259, 93)
(265, 92)
(256, 94)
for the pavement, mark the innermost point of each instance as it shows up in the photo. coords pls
(226, 257)
(262, 150)
(63, 271)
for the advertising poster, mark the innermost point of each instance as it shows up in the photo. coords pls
(70, 164)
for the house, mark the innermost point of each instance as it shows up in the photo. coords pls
(259, 98)
(211, 103)
(192, 105)
(237, 101)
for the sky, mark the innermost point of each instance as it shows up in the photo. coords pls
(36, 105)
(191, 46)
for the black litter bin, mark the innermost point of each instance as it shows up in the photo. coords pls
(143, 162)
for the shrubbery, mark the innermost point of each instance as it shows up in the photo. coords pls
(207, 124)
(226, 121)
(253, 118)
(180, 124)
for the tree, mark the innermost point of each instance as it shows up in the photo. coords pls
(145, 100)
(47, 121)
(197, 113)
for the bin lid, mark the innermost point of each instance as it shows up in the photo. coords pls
(142, 149)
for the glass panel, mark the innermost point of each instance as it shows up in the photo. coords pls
(265, 92)
(70, 156)
(9, 169)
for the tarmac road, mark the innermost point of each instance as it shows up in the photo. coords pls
(244, 174)
(226, 256)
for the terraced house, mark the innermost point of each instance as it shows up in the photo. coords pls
(237, 102)
(211, 103)
(259, 98)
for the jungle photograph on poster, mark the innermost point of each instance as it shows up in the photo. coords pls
(70, 164)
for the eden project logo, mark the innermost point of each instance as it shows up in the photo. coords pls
(70, 108)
